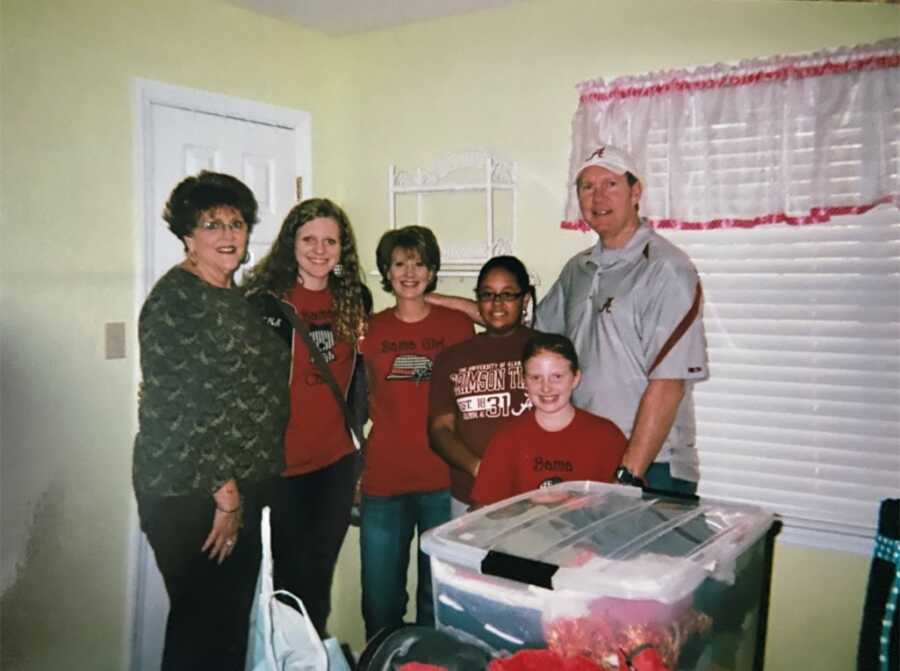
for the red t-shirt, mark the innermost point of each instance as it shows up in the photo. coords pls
(480, 382)
(522, 456)
(399, 357)
(316, 434)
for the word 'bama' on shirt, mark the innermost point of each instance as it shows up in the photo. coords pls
(411, 345)
(487, 377)
(541, 464)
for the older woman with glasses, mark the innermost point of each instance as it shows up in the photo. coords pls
(213, 406)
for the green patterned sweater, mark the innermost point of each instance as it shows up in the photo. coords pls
(215, 394)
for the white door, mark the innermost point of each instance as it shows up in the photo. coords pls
(186, 141)
(181, 140)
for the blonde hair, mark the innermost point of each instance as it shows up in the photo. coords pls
(277, 271)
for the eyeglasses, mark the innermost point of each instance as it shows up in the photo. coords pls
(503, 296)
(215, 225)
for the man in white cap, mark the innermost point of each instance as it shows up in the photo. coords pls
(632, 306)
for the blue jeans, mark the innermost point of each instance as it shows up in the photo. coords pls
(386, 530)
(659, 476)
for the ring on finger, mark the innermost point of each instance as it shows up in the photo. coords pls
(229, 543)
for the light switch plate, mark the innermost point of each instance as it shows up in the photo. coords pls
(114, 340)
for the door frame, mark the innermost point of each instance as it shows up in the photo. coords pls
(145, 94)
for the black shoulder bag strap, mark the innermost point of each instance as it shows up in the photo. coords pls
(356, 431)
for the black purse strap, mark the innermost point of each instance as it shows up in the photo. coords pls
(315, 353)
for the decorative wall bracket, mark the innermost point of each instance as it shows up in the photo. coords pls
(468, 199)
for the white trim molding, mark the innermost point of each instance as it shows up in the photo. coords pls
(145, 94)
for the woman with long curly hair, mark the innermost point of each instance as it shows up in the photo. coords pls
(313, 269)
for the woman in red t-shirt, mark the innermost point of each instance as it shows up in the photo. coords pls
(404, 482)
(313, 270)
(557, 441)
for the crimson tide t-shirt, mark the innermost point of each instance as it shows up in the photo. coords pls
(316, 435)
(480, 382)
(399, 358)
(522, 456)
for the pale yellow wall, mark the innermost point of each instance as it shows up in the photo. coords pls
(68, 247)
(501, 80)
(505, 80)
(816, 609)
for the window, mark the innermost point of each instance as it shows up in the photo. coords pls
(801, 412)
(781, 179)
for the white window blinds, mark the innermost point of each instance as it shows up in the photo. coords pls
(780, 178)
(802, 409)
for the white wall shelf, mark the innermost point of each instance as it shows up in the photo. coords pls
(477, 174)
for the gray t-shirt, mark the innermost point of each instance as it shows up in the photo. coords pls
(634, 314)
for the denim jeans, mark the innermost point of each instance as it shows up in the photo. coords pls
(659, 476)
(385, 535)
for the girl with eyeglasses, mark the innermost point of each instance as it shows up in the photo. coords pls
(478, 385)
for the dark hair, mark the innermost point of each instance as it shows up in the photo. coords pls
(277, 271)
(414, 239)
(195, 195)
(514, 267)
(551, 342)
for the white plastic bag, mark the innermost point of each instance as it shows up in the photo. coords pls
(281, 639)
(337, 661)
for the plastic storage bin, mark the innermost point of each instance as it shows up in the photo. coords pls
(592, 569)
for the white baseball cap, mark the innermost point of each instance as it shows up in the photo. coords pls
(612, 158)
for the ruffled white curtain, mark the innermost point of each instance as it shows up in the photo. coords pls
(789, 139)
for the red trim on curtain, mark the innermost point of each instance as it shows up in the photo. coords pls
(786, 72)
(857, 86)
(817, 215)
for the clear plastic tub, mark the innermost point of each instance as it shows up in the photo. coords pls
(592, 569)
